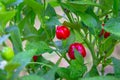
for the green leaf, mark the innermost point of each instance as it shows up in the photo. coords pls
(79, 6)
(106, 5)
(43, 34)
(40, 67)
(95, 16)
(31, 77)
(113, 26)
(36, 7)
(11, 67)
(74, 25)
(27, 27)
(108, 46)
(15, 38)
(18, 17)
(79, 57)
(6, 16)
(12, 2)
(116, 7)
(67, 8)
(50, 26)
(64, 72)
(54, 3)
(84, 2)
(3, 74)
(78, 37)
(50, 75)
(39, 1)
(7, 1)
(40, 46)
(70, 39)
(77, 67)
(19, 62)
(51, 22)
(48, 23)
(50, 10)
(82, 5)
(116, 64)
(93, 72)
(90, 21)
(77, 70)
(101, 78)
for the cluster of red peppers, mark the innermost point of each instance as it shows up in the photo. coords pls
(63, 32)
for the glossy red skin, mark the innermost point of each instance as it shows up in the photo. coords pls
(62, 32)
(103, 32)
(79, 47)
(106, 34)
(35, 58)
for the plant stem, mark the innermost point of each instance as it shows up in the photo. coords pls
(71, 15)
(63, 57)
(90, 37)
(44, 1)
(57, 52)
(90, 47)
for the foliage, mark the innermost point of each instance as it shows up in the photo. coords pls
(84, 19)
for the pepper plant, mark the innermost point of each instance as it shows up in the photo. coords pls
(88, 25)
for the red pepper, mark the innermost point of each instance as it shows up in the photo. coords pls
(62, 32)
(79, 47)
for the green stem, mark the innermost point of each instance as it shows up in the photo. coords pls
(90, 37)
(103, 66)
(72, 18)
(67, 59)
(78, 19)
(57, 52)
(44, 1)
(63, 57)
(90, 47)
